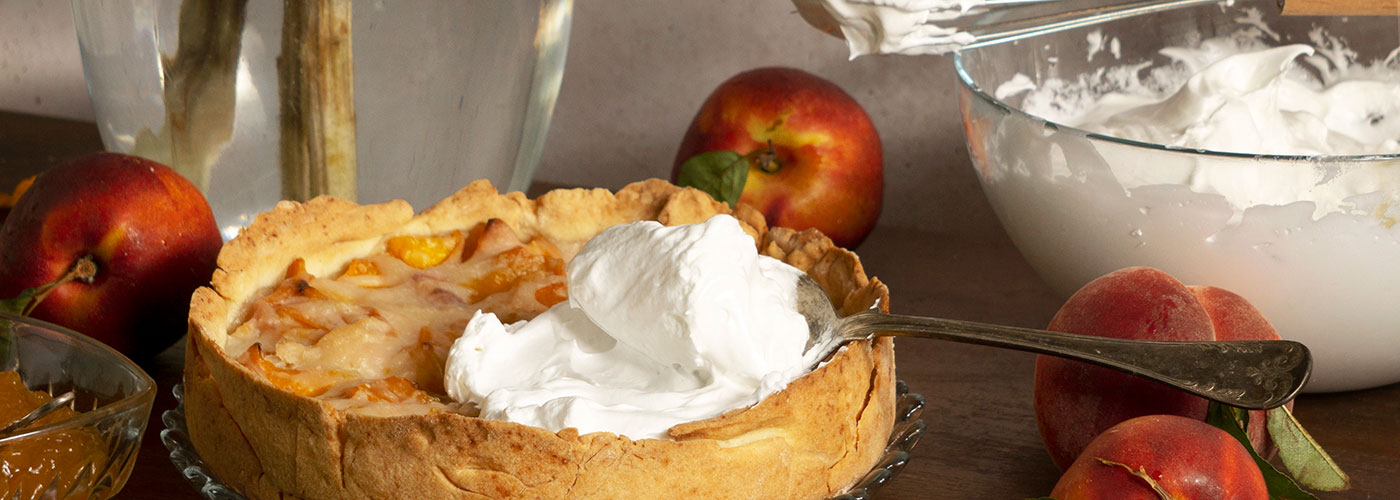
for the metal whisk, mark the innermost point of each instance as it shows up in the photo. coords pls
(916, 27)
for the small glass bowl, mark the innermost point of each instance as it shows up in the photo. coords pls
(112, 395)
(908, 428)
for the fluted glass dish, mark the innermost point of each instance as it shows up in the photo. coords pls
(90, 454)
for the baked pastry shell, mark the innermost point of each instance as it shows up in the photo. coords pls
(808, 441)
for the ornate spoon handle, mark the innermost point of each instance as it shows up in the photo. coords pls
(1257, 374)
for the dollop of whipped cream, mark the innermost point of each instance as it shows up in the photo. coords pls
(895, 26)
(1256, 102)
(663, 325)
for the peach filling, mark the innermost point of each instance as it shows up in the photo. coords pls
(375, 336)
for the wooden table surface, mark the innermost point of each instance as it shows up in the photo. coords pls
(981, 440)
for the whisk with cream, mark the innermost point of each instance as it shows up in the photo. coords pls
(920, 27)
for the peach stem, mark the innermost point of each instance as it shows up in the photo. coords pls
(1141, 473)
(765, 159)
(84, 270)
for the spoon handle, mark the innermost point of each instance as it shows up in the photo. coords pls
(34, 415)
(1256, 374)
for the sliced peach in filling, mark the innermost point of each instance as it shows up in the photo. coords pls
(423, 252)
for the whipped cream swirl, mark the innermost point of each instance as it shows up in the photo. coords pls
(663, 325)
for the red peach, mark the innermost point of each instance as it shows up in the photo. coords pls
(1075, 401)
(829, 168)
(1234, 318)
(149, 230)
(1186, 458)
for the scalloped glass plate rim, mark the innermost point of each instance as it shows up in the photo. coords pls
(908, 428)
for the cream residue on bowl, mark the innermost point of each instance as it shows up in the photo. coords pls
(1288, 100)
(1235, 94)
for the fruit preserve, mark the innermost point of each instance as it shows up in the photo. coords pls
(29, 465)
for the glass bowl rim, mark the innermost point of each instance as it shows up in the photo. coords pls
(143, 394)
(966, 80)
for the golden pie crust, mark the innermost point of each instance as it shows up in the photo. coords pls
(809, 441)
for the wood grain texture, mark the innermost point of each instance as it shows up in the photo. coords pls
(1340, 7)
(29, 144)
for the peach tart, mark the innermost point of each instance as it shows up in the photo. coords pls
(315, 360)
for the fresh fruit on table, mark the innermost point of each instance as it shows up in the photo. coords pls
(797, 147)
(127, 239)
(1162, 457)
(1075, 401)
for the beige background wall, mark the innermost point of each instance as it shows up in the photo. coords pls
(637, 71)
(39, 68)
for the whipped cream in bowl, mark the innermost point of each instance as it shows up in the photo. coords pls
(1226, 146)
(664, 325)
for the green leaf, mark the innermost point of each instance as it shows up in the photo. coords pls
(15, 306)
(1235, 421)
(8, 352)
(18, 304)
(722, 174)
(1302, 456)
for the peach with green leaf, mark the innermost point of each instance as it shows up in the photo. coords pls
(1075, 401)
(1079, 408)
(791, 144)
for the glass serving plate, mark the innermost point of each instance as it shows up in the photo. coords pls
(908, 428)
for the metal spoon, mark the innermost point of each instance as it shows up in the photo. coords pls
(60, 401)
(1258, 374)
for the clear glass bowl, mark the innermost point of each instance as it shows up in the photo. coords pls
(113, 397)
(908, 428)
(1079, 205)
